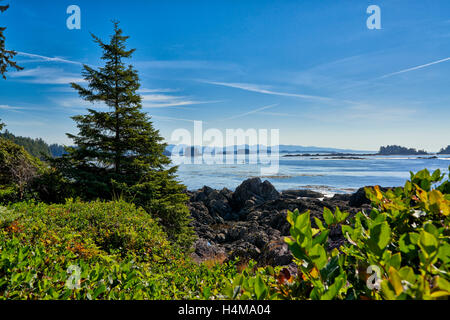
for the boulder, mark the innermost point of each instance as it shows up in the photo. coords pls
(201, 194)
(358, 198)
(207, 250)
(202, 215)
(250, 223)
(276, 253)
(295, 194)
(217, 202)
(341, 197)
(244, 250)
(253, 191)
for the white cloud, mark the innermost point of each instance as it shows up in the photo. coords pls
(164, 118)
(164, 101)
(40, 58)
(7, 107)
(164, 90)
(414, 68)
(264, 90)
(77, 103)
(188, 64)
(252, 112)
(47, 76)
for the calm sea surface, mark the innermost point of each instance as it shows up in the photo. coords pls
(328, 176)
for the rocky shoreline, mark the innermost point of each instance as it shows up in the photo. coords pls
(251, 221)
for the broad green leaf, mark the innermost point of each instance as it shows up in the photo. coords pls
(303, 221)
(340, 216)
(333, 290)
(428, 243)
(440, 294)
(407, 273)
(260, 288)
(318, 256)
(443, 284)
(430, 228)
(436, 176)
(444, 252)
(328, 216)
(387, 290)
(396, 260)
(319, 224)
(321, 238)
(380, 235)
(291, 217)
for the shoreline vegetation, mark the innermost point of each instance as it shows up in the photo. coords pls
(108, 220)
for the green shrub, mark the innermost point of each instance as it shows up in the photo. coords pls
(110, 225)
(398, 250)
(121, 253)
(17, 171)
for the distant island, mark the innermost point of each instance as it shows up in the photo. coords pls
(389, 150)
(399, 150)
(445, 150)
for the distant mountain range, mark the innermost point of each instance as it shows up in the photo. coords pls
(41, 149)
(247, 149)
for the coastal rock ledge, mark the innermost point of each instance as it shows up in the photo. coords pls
(250, 223)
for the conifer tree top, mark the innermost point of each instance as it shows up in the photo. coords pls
(6, 56)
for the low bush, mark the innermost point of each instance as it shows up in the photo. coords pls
(97, 250)
(399, 250)
(17, 171)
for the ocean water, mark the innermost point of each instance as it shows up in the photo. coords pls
(322, 174)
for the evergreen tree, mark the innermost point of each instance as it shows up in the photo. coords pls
(6, 56)
(36, 147)
(117, 152)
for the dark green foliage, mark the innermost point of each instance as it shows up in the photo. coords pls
(398, 150)
(17, 171)
(108, 226)
(57, 150)
(6, 56)
(399, 250)
(118, 153)
(36, 147)
(120, 250)
(445, 150)
(51, 187)
(23, 177)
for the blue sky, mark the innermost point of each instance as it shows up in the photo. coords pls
(309, 68)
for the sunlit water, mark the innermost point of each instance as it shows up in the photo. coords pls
(328, 176)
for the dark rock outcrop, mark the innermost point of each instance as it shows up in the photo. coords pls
(253, 192)
(250, 223)
(358, 198)
(295, 194)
